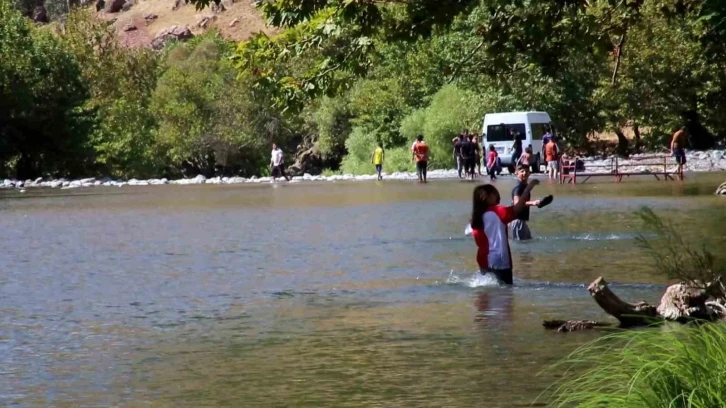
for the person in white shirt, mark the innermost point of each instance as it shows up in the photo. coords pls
(277, 164)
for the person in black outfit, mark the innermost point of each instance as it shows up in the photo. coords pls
(468, 154)
(517, 148)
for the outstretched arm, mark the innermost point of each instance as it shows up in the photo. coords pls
(521, 204)
(533, 203)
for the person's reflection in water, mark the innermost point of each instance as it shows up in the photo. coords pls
(495, 305)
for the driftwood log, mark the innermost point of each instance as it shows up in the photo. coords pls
(681, 302)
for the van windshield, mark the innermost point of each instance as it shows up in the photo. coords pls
(505, 132)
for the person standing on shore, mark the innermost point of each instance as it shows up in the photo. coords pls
(377, 160)
(488, 224)
(545, 140)
(492, 158)
(526, 158)
(678, 149)
(468, 156)
(551, 153)
(276, 164)
(458, 142)
(421, 157)
(477, 153)
(516, 147)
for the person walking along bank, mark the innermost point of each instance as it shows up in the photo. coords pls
(421, 157)
(277, 164)
(377, 160)
(678, 149)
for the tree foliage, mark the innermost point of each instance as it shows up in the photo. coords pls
(43, 123)
(342, 75)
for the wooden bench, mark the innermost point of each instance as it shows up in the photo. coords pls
(656, 166)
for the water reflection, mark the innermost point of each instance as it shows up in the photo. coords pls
(495, 305)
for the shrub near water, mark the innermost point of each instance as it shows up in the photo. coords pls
(681, 366)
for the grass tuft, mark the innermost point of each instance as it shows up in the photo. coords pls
(678, 366)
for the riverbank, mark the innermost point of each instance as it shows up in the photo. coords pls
(705, 161)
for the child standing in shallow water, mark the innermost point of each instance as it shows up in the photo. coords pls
(489, 222)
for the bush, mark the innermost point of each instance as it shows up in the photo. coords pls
(413, 124)
(399, 160)
(332, 121)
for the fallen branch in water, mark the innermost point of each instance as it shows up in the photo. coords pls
(682, 302)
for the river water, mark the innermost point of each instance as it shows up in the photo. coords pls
(331, 294)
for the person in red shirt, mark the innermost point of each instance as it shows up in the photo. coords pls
(421, 156)
(489, 222)
(492, 157)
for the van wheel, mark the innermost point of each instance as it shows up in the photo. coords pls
(511, 169)
(535, 166)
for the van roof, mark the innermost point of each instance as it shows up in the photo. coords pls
(518, 113)
(514, 117)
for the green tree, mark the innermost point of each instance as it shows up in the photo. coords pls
(121, 81)
(210, 122)
(43, 124)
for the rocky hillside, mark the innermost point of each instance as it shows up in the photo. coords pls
(138, 22)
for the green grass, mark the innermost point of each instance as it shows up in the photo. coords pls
(681, 366)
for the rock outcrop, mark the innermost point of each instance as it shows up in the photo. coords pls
(114, 6)
(173, 33)
(206, 20)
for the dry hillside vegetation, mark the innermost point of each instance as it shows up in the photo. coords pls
(238, 21)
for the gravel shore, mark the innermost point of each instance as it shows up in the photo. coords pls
(703, 161)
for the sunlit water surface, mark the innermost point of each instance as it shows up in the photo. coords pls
(336, 294)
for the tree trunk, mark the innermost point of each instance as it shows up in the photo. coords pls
(618, 59)
(682, 302)
(636, 132)
(629, 314)
(622, 143)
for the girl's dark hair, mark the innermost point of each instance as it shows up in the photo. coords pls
(528, 149)
(479, 204)
(491, 147)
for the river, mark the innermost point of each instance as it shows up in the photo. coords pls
(310, 295)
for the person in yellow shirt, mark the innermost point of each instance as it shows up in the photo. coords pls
(377, 159)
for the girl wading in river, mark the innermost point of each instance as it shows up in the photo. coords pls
(489, 222)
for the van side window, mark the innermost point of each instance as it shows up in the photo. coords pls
(538, 130)
(501, 132)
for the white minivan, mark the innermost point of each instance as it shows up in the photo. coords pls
(531, 126)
